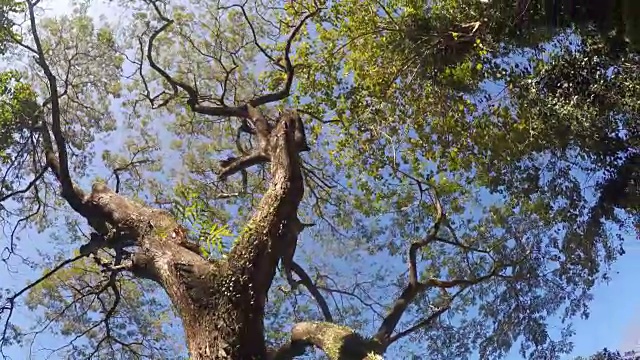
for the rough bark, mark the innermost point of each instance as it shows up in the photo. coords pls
(337, 342)
(221, 303)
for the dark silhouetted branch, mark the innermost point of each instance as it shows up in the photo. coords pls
(426, 321)
(232, 165)
(307, 282)
(29, 186)
(288, 66)
(414, 287)
(61, 164)
(10, 301)
(194, 97)
(131, 164)
(289, 351)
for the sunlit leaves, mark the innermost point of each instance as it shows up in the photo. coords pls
(17, 109)
(400, 104)
(10, 11)
(190, 208)
(408, 84)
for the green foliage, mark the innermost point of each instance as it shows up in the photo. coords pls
(604, 354)
(17, 110)
(507, 122)
(10, 10)
(479, 112)
(66, 305)
(195, 213)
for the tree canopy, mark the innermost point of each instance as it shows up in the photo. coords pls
(604, 354)
(434, 179)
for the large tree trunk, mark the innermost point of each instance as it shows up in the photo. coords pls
(221, 302)
(219, 335)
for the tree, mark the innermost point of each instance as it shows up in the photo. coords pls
(605, 354)
(483, 273)
(520, 114)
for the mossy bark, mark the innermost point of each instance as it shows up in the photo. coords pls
(221, 303)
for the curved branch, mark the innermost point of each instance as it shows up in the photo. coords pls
(424, 322)
(233, 165)
(30, 185)
(45, 276)
(255, 37)
(10, 302)
(370, 305)
(193, 95)
(338, 342)
(256, 254)
(306, 280)
(288, 66)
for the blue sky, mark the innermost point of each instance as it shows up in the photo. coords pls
(615, 310)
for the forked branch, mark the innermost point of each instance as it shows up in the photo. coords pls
(55, 147)
(9, 304)
(414, 287)
(263, 153)
(430, 319)
(56, 160)
(194, 98)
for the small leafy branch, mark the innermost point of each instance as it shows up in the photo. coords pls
(196, 215)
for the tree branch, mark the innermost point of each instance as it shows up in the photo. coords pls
(338, 342)
(61, 166)
(10, 302)
(306, 280)
(289, 68)
(288, 351)
(57, 161)
(426, 321)
(257, 253)
(241, 111)
(414, 287)
(30, 185)
(233, 165)
(253, 34)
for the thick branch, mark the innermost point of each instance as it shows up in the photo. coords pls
(262, 127)
(262, 154)
(261, 247)
(56, 148)
(233, 165)
(288, 351)
(337, 342)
